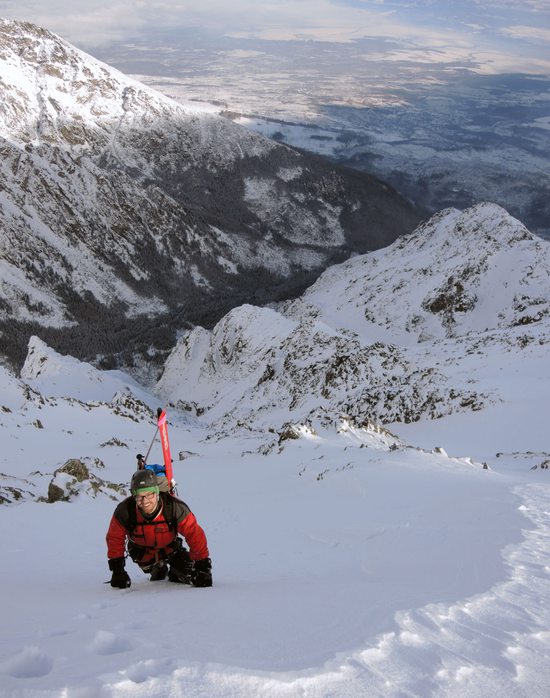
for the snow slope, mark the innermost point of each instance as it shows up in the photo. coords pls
(343, 566)
(349, 559)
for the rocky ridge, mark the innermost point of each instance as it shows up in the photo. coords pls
(459, 272)
(396, 335)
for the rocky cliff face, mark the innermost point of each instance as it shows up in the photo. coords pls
(396, 335)
(124, 215)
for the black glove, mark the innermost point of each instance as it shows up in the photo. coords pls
(202, 573)
(181, 567)
(119, 578)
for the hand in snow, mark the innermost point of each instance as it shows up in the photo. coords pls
(119, 578)
(202, 573)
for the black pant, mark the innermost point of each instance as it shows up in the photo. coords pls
(175, 555)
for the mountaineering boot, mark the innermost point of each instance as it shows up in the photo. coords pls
(159, 571)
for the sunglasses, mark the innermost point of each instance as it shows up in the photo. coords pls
(145, 497)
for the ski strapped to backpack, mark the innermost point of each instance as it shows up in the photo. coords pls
(165, 471)
(162, 422)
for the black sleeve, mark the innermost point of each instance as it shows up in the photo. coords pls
(123, 513)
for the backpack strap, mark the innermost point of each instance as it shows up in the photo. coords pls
(173, 510)
(169, 511)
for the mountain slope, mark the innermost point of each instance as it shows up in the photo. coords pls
(346, 563)
(460, 272)
(395, 335)
(346, 560)
(123, 214)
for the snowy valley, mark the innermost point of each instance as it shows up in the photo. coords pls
(126, 217)
(369, 462)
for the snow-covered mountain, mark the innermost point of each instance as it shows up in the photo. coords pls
(348, 559)
(395, 335)
(461, 272)
(119, 206)
(369, 460)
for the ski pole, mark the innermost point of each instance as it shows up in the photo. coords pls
(144, 459)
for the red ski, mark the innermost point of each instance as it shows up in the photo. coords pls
(163, 430)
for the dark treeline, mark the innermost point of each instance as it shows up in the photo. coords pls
(106, 337)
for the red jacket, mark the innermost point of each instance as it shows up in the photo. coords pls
(157, 534)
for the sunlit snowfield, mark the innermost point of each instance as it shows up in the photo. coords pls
(340, 568)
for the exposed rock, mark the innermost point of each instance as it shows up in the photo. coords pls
(15, 489)
(76, 469)
(74, 479)
(127, 405)
(56, 493)
(289, 431)
(183, 455)
(114, 442)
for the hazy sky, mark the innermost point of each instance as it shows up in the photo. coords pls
(503, 35)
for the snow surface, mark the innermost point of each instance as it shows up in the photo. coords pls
(347, 561)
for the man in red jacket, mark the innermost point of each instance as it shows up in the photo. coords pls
(151, 521)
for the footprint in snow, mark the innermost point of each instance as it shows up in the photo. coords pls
(102, 606)
(106, 643)
(150, 668)
(28, 663)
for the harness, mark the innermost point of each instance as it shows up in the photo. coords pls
(130, 522)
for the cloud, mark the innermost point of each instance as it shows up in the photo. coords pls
(83, 22)
(524, 6)
(422, 25)
(530, 33)
(90, 22)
